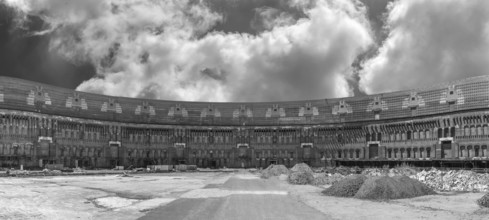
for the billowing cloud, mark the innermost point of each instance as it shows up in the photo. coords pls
(429, 41)
(166, 49)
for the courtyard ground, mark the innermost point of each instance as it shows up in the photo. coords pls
(239, 195)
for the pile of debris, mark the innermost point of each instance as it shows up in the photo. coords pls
(327, 179)
(398, 187)
(397, 171)
(484, 201)
(347, 187)
(378, 187)
(454, 180)
(345, 171)
(374, 172)
(301, 174)
(274, 170)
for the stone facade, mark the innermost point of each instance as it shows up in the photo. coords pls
(42, 124)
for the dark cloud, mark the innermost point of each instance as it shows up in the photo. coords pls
(27, 56)
(215, 73)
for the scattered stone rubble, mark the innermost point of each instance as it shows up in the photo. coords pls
(454, 180)
(484, 201)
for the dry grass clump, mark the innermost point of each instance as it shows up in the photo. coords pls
(347, 187)
(300, 178)
(484, 201)
(301, 167)
(384, 188)
(274, 170)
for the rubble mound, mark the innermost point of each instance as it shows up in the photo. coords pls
(345, 170)
(274, 170)
(347, 187)
(385, 187)
(301, 167)
(374, 172)
(300, 178)
(326, 179)
(402, 171)
(454, 180)
(484, 201)
(397, 171)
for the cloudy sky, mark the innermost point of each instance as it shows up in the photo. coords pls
(243, 50)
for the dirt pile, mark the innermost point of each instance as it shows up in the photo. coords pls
(385, 187)
(300, 178)
(301, 167)
(484, 201)
(301, 174)
(347, 187)
(454, 180)
(326, 179)
(274, 170)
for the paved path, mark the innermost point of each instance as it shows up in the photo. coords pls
(238, 198)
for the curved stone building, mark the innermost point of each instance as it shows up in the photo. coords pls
(445, 125)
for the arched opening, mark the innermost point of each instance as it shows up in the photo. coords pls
(462, 151)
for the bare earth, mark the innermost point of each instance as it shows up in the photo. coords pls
(209, 196)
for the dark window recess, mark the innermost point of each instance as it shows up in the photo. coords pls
(413, 98)
(76, 100)
(446, 132)
(342, 106)
(452, 132)
(440, 133)
(308, 109)
(408, 135)
(367, 137)
(379, 136)
(373, 137)
(451, 92)
(376, 103)
(373, 150)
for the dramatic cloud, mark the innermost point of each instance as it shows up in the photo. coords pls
(166, 49)
(429, 41)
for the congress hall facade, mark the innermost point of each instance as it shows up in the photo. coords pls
(443, 125)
